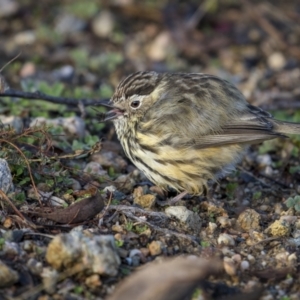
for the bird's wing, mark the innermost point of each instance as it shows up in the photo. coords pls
(252, 126)
(216, 117)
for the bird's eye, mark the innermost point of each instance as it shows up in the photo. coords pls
(135, 104)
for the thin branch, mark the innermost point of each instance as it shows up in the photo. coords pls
(58, 100)
(18, 213)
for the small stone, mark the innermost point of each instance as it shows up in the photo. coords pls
(28, 69)
(237, 258)
(103, 24)
(145, 201)
(264, 160)
(276, 61)
(25, 38)
(7, 276)
(125, 183)
(93, 281)
(95, 168)
(281, 256)
(212, 227)
(97, 253)
(110, 189)
(117, 228)
(74, 184)
(6, 184)
(226, 240)
(72, 126)
(249, 219)
(292, 258)
(191, 219)
(57, 202)
(145, 251)
(224, 222)
(8, 8)
(229, 266)
(279, 228)
(109, 159)
(251, 258)
(67, 24)
(245, 265)
(138, 192)
(50, 278)
(15, 122)
(160, 47)
(155, 248)
(28, 246)
(34, 266)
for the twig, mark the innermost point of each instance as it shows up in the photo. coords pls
(128, 213)
(18, 213)
(58, 100)
(122, 208)
(28, 166)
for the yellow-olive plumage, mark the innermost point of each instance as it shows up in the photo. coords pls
(183, 130)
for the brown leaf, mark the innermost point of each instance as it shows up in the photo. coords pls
(272, 273)
(78, 212)
(171, 279)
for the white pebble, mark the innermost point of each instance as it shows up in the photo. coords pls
(226, 239)
(245, 265)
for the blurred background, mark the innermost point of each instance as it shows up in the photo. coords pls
(86, 47)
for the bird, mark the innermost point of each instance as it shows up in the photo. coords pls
(184, 130)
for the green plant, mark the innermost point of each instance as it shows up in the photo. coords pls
(257, 195)
(293, 203)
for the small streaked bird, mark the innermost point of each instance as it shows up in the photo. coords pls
(183, 130)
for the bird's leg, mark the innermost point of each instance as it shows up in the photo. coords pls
(178, 197)
(173, 200)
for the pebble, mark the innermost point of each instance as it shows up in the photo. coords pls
(50, 278)
(212, 227)
(67, 23)
(125, 183)
(292, 258)
(93, 281)
(103, 24)
(249, 219)
(6, 184)
(251, 258)
(188, 217)
(226, 240)
(264, 160)
(276, 61)
(110, 159)
(281, 256)
(279, 228)
(8, 8)
(15, 122)
(34, 266)
(155, 248)
(73, 184)
(161, 46)
(224, 222)
(96, 253)
(229, 266)
(245, 265)
(7, 275)
(25, 38)
(94, 168)
(145, 201)
(72, 126)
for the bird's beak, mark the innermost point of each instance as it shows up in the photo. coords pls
(113, 114)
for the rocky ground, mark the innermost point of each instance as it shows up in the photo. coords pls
(77, 219)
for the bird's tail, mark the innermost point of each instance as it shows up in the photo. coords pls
(287, 127)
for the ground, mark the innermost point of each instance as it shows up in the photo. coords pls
(58, 154)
